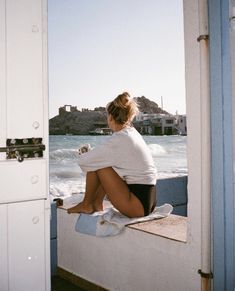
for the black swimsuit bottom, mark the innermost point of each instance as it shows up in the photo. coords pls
(146, 194)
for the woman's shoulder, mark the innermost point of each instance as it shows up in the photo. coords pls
(128, 133)
(127, 130)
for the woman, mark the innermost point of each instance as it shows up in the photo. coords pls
(121, 168)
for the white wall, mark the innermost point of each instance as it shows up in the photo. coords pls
(133, 260)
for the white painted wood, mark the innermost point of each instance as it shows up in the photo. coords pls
(47, 247)
(24, 210)
(205, 141)
(3, 249)
(26, 243)
(2, 77)
(193, 105)
(25, 246)
(23, 181)
(23, 94)
(25, 100)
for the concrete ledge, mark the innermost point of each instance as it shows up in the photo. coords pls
(146, 256)
(133, 260)
(173, 227)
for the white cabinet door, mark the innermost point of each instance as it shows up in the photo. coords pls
(2, 76)
(25, 246)
(24, 211)
(3, 248)
(23, 181)
(27, 239)
(23, 96)
(23, 70)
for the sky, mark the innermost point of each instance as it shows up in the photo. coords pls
(101, 48)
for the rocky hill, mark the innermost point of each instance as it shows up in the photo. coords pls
(148, 106)
(82, 122)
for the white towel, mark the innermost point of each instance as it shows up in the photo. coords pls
(111, 222)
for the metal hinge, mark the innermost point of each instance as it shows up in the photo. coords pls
(203, 37)
(24, 148)
(205, 275)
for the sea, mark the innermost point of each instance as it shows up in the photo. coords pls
(66, 177)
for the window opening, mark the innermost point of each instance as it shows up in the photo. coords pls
(98, 49)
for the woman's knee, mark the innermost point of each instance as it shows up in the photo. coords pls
(105, 170)
(108, 173)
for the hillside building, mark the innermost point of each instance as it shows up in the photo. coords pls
(67, 108)
(160, 124)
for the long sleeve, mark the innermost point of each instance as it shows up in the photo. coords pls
(127, 153)
(100, 157)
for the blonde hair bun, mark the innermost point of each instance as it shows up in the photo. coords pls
(123, 108)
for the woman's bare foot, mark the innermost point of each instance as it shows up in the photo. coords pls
(98, 207)
(82, 207)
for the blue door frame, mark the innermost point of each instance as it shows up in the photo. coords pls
(222, 147)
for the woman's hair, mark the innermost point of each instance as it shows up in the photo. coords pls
(123, 108)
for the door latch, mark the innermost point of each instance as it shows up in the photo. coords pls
(23, 148)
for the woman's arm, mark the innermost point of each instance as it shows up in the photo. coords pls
(100, 157)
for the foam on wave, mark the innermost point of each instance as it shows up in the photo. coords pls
(157, 150)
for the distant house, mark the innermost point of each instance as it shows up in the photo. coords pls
(156, 124)
(67, 108)
(181, 124)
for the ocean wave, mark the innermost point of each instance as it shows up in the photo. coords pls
(63, 154)
(66, 188)
(157, 150)
(65, 174)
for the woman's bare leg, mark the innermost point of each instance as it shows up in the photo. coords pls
(118, 193)
(94, 195)
(107, 181)
(98, 199)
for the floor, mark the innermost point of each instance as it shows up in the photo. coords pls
(59, 284)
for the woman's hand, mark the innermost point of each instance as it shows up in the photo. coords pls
(84, 148)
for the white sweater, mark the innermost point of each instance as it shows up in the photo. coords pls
(127, 153)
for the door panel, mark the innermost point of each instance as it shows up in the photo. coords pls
(2, 77)
(24, 209)
(3, 249)
(23, 181)
(26, 244)
(24, 69)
